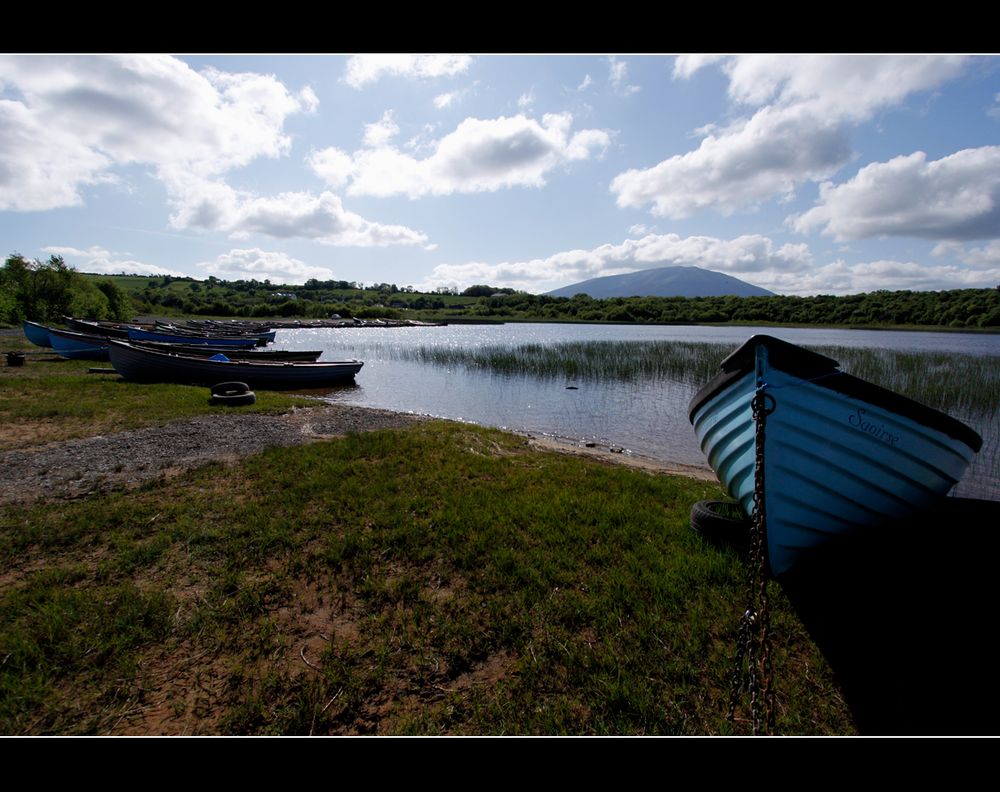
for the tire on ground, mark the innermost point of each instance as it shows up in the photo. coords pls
(230, 388)
(232, 394)
(721, 523)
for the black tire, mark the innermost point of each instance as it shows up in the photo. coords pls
(234, 399)
(230, 389)
(722, 524)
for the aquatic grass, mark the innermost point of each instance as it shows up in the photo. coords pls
(966, 384)
(621, 360)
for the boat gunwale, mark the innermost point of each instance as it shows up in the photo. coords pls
(825, 372)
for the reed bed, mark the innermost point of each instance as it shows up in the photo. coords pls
(607, 360)
(966, 384)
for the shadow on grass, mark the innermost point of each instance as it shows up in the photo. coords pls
(906, 620)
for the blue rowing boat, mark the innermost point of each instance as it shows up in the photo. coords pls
(37, 334)
(78, 346)
(840, 455)
(240, 342)
(146, 365)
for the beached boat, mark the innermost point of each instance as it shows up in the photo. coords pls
(173, 338)
(206, 350)
(100, 327)
(37, 334)
(79, 346)
(87, 346)
(840, 455)
(145, 365)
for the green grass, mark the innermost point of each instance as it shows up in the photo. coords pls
(50, 398)
(439, 579)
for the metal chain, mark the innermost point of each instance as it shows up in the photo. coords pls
(752, 668)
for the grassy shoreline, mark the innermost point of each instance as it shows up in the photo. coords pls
(440, 579)
(451, 581)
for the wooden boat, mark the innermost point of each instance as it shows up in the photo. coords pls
(840, 455)
(215, 329)
(206, 350)
(99, 327)
(145, 365)
(79, 346)
(246, 342)
(37, 334)
(87, 346)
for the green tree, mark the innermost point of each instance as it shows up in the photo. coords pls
(42, 291)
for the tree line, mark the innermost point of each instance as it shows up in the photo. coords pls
(44, 291)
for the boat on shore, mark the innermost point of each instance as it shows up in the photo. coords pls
(87, 346)
(840, 455)
(206, 350)
(78, 346)
(244, 342)
(145, 365)
(37, 334)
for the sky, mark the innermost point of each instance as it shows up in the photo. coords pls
(803, 174)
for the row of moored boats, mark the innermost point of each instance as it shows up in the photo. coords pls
(200, 353)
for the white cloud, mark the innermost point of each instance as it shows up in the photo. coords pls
(423, 141)
(103, 262)
(840, 277)
(799, 132)
(849, 87)
(444, 100)
(585, 83)
(382, 131)
(364, 69)
(619, 77)
(258, 264)
(738, 168)
(332, 165)
(686, 65)
(754, 257)
(76, 119)
(526, 100)
(322, 218)
(639, 229)
(955, 197)
(480, 155)
(987, 256)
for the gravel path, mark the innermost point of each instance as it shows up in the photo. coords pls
(79, 467)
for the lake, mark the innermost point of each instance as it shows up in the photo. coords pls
(645, 418)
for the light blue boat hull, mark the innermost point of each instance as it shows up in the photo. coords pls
(835, 464)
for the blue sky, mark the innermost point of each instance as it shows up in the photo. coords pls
(804, 174)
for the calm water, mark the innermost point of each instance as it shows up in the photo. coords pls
(646, 418)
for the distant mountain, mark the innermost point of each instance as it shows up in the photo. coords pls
(664, 282)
